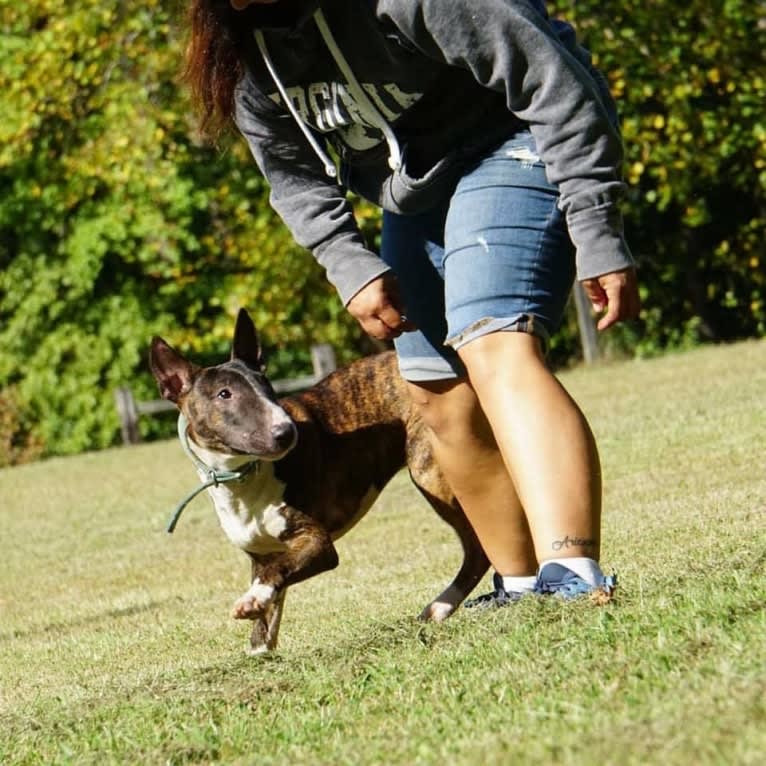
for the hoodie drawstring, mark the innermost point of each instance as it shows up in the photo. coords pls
(369, 109)
(363, 101)
(329, 165)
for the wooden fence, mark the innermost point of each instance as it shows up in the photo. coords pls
(322, 359)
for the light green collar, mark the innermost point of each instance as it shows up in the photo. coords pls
(215, 476)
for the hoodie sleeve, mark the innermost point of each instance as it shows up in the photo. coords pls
(313, 207)
(511, 47)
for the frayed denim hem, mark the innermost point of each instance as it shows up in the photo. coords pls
(527, 323)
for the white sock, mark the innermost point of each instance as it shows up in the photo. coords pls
(523, 584)
(586, 568)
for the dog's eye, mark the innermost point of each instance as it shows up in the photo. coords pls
(224, 393)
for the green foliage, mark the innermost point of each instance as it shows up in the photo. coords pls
(115, 223)
(690, 81)
(17, 441)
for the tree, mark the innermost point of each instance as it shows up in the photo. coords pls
(115, 223)
(690, 79)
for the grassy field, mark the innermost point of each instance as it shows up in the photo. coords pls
(116, 644)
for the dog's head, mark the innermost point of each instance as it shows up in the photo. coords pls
(231, 408)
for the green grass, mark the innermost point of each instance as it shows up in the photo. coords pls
(116, 645)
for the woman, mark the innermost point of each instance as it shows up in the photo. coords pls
(481, 129)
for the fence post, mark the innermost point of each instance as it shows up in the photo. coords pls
(128, 412)
(588, 332)
(323, 360)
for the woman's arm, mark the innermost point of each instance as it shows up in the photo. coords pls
(311, 204)
(511, 47)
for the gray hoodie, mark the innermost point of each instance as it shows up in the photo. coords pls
(406, 94)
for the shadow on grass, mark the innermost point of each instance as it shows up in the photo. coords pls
(63, 626)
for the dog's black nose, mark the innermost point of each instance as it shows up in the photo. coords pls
(284, 434)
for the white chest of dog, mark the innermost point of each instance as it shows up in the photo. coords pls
(250, 511)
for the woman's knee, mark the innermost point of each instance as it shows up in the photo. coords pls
(508, 356)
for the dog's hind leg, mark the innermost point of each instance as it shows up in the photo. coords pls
(475, 561)
(427, 476)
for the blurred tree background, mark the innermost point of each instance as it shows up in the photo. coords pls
(690, 81)
(116, 223)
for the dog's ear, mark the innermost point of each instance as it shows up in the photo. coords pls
(172, 372)
(246, 345)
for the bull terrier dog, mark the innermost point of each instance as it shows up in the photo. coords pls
(290, 476)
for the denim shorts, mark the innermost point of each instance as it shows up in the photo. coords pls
(495, 257)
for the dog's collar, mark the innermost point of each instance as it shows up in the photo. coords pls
(215, 476)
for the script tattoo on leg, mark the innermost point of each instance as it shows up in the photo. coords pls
(573, 542)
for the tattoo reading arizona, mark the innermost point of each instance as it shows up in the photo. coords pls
(571, 542)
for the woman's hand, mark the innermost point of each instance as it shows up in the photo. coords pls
(378, 308)
(617, 293)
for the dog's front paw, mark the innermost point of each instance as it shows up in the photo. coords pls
(257, 651)
(246, 608)
(254, 603)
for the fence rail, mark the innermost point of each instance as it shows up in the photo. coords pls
(323, 362)
(322, 359)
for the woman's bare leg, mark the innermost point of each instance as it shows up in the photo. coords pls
(546, 443)
(468, 454)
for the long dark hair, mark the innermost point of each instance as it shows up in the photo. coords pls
(214, 61)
